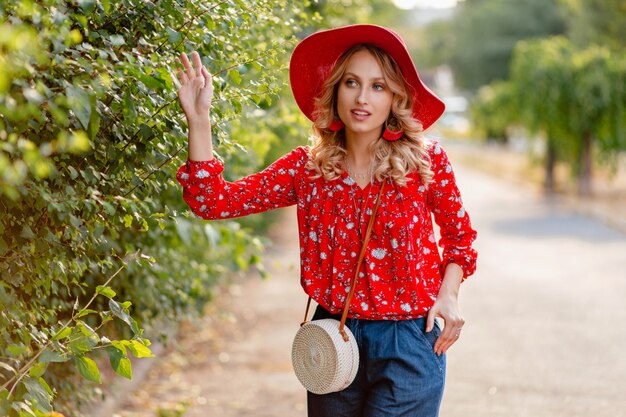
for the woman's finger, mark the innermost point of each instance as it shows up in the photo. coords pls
(188, 66)
(447, 343)
(450, 334)
(197, 63)
(175, 80)
(206, 74)
(208, 79)
(442, 340)
(183, 76)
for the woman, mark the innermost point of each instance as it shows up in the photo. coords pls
(359, 87)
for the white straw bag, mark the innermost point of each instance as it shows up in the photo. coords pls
(322, 360)
(325, 355)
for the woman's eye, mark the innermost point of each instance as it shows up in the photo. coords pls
(379, 87)
(351, 83)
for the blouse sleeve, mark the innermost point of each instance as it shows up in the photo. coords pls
(444, 201)
(211, 197)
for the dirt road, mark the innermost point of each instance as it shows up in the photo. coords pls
(545, 331)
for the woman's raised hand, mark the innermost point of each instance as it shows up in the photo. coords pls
(196, 89)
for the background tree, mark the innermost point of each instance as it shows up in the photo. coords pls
(598, 22)
(577, 97)
(494, 110)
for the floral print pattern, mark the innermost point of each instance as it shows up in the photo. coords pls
(402, 269)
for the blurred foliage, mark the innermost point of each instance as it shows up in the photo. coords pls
(345, 12)
(478, 42)
(601, 22)
(494, 110)
(92, 218)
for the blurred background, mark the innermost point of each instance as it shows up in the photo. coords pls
(106, 277)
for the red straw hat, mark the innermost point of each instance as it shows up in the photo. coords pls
(315, 56)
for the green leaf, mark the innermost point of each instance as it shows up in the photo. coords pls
(27, 232)
(94, 122)
(80, 104)
(106, 291)
(129, 110)
(117, 40)
(88, 369)
(82, 345)
(128, 220)
(119, 362)
(87, 331)
(37, 394)
(73, 172)
(121, 345)
(62, 334)
(23, 409)
(235, 76)
(17, 350)
(79, 142)
(140, 350)
(119, 312)
(45, 386)
(86, 311)
(38, 370)
(87, 5)
(52, 356)
(3, 246)
(173, 36)
(151, 82)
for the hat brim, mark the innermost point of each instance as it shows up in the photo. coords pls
(316, 55)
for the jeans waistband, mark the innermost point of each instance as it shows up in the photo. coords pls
(322, 313)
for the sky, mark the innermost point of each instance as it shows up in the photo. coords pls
(432, 4)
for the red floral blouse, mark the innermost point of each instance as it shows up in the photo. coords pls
(402, 270)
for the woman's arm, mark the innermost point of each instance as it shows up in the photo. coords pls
(195, 95)
(444, 201)
(211, 197)
(459, 257)
(204, 189)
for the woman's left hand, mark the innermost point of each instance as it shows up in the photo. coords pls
(447, 307)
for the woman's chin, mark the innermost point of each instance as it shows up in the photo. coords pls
(364, 131)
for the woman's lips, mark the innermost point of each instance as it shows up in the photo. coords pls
(360, 115)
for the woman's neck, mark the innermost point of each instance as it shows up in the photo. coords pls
(358, 149)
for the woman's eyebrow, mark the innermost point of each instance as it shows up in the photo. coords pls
(358, 78)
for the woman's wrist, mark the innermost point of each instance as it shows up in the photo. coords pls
(198, 122)
(452, 278)
(200, 146)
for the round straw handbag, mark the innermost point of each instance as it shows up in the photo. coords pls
(322, 360)
(325, 355)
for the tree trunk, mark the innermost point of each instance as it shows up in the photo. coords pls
(549, 181)
(586, 161)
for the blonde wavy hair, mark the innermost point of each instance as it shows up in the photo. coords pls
(392, 160)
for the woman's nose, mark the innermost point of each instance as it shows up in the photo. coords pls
(361, 98)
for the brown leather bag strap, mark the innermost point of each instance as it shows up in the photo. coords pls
(368, 233)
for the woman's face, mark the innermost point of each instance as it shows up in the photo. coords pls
(363, 98)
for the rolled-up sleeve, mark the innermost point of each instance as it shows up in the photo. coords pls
(211, 197)
(444, 200)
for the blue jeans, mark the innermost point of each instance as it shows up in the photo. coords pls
(399, 373)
